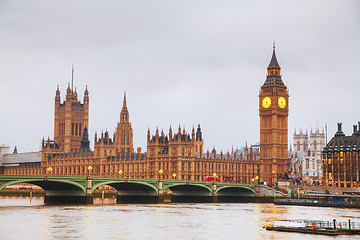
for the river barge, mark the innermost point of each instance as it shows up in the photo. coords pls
(315, 227)
(321, 200)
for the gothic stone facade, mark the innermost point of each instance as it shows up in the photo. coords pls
(273, 111)
(178, 155)
(306, 160)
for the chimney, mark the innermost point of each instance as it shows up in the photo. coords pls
(339, 133)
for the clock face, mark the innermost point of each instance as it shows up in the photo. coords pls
(266, 102)
(282, 102)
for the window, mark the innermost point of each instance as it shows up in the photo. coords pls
(307, 164)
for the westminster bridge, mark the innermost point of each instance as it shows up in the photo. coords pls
(79, 189)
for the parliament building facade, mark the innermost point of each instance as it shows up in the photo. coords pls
(176, 154)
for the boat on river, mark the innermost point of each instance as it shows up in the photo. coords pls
(315, 227)
(322, 200)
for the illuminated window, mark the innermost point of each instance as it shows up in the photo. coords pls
(330, 176)
(329, 161)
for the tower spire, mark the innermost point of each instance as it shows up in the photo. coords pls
(274, 63)
(124, 102)
(124, 115)
(273, 77)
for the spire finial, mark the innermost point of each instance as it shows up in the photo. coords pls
(274, 45)
(124, 101)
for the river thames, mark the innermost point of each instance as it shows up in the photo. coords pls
(20, 219)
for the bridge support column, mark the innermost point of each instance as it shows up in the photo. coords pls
(160, 191)
(89, 195)
(214, 193)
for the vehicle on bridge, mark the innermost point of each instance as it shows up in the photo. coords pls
(211, 179)
(229, 179)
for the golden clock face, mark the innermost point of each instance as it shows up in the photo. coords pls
(266, 102)
(282, 102)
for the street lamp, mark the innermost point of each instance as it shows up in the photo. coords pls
(160, 172)
(214, 177)
(174, 175)
(90, 168)
(49, 170)
(120, 172)
(257, 179)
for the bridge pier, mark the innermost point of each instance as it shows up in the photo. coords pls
(214, 193)
(52, 200)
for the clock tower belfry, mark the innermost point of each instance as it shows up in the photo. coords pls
(274, 112)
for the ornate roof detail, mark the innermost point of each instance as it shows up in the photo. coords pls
(273, 78)
(274, 63)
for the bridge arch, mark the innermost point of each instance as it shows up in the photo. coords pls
(130, 188)
(236, 191)
(51, 184)
(186, 189)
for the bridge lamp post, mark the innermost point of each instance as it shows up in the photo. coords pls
(90, 168)
(160, 173)
(120, 172)
(257, 179)
(174, 175)
(49, 170)
(214, 177)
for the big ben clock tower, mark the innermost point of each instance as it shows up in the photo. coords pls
(273, 111)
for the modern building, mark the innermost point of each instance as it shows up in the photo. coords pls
(342, 159)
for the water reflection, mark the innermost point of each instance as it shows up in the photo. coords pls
(154, 221)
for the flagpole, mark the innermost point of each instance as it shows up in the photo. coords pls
(72, 77)
(326, 133)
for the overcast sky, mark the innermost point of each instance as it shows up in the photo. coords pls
(180, 62)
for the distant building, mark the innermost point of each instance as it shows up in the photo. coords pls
(27, 163)
(342, 159)
(306, 159)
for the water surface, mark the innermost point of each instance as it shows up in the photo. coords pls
(20, 219)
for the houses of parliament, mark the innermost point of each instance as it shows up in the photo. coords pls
(174, 154)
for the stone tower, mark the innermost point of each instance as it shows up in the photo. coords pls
(199, 143)
(301, 141)
(123, 137)
(273, 111)
(71, 118)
